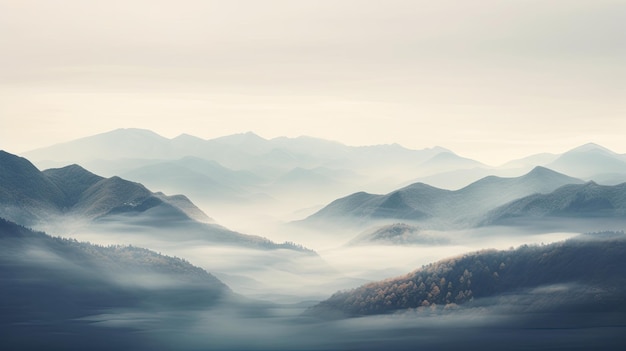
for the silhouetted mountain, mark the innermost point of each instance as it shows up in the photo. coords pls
(549, 278)
(26, 193)
(449, 161)
(206, 180)
(532, 161)
(246, 151)
(73, 181)
(29, 196)
(588, 200)
(55, 279)
(421, 202)
(589, 160)
(397, 234)
(119, 143)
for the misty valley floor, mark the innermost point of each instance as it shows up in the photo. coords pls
(233, 330)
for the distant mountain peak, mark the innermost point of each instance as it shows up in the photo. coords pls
(185, 136)
(540, 170)
(591, 147)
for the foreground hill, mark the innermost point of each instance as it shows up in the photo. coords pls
(592, 262)
(54, 278)
(421, 202)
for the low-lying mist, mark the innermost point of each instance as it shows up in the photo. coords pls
(523, 323)
(287, 276)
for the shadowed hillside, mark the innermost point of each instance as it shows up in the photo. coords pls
(594, 261)
(55, 278)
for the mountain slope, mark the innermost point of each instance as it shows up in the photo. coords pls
(589, 160)
(204, 179)
(420, 202)
(593, 262)
(30, 196)
(34, 198)
(588, 200)
(119, 143)
(55, 278)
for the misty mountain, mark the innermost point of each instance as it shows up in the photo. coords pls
(116, 144)
(449, 161)
(246, 151)
(556, 274)
(421, 202)
(207, 180)
(588, 161)
(29, 195)
(47, 199)
(529, 162)
(55, 278)
(580, 201)
(397, 234)
(26, 193)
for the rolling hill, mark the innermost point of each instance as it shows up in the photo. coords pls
(55, 278)
(581, 274)
(397, 234)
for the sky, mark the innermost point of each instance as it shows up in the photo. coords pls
(490, 79)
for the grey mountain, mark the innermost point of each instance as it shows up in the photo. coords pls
(34, 198)
(580, 201)
(237, 152)
(207, 180)
(421, 202)
(29, 195)
(588, 161)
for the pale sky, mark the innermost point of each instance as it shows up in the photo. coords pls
(490, 79)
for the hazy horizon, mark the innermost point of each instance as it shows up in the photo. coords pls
(458, 152)
(491, 80)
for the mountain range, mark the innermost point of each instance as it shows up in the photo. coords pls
(31, 195)
(440, 207)
(246, 168)
(574, 201)
(72, 194)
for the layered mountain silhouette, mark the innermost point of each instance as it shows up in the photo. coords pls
(591, 161)
(34, 198)
(234, 151)
(275, 160)
(421, 202)
(581, 201)
(581, 275)
(204, 179)
(29, 195)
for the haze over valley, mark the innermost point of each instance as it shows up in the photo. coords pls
(312, 175)
(283, 224)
